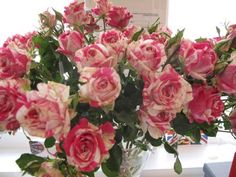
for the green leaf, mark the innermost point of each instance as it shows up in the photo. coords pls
(178, 166)
(30, 163)
(114, 161)
(170, 149)
(49, 142)
(59, 16)
(137, 34)
(181, 124)
(153, 141)
(108, 172)
(218, 30)
(129, 118)
(196, 134)
(154, 26)
(176, 39)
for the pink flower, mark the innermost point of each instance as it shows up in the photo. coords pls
(48, 169)
(21, 42)
(206, 105)
(146, 55)
(199, 58)
(70, 42)
(231, 32)
(14, 62)
(162, 35)
(232, 119)
(118, 17)
(12, 98)
(101, 86)
(167, 91)
(130, 31)
(94, 55)
(102, 7)
(114, 41)
(226, 81)
(75, 14)
(47, 20)
(46, 112)
(156, 124)
(86, 145)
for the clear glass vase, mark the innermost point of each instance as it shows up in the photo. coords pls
(133, 161)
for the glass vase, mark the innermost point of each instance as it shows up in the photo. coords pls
(133, 161)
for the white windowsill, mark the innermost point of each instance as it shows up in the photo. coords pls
(160, 163)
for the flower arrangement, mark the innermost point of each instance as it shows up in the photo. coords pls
(94, 87)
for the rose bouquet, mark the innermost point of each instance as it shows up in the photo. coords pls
(95, 88)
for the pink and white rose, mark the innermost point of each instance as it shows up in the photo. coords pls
(118, 17)
(21, 42)
(14, 63)
(87, 146)
(130, 31)
(12, 97)
(166, 91)
(76, 15)
(156, 124)
(115, 41)
(102, 7)
(232, 118)
(206, 105)
(46, 111)
(70, 42)
(146, 55)
(47, 20)
(231, 32)
(94, 55)
(226, 81)
(199, 58)
(162, 35)
(101, 86)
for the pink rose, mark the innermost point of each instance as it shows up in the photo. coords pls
(206, 105)
(231, 31)
(75, 14)
(162, 35)
(226, 81)
(199, 58)
(12, 98)
(115, 41)
(118, 17)
(232, 119)
(130, 31)
(86, 145)
(49, 169)
(94, 55)
(166, 91)
(156, 124)
(101, 86)
(102, 7)
(21, 42)
(14, 63)
(47, 20)
(46, 112)
(70, 42)
(146, 55)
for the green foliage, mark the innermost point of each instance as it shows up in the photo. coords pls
(111, 166)
(136, 35)
(154, 142)
(154, 26)
(182, 126)
(178, 166)
(30, 163)
(49, 142)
